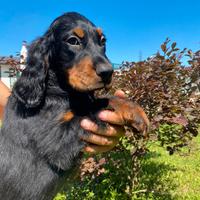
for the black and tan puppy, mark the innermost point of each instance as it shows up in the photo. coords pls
(40, 137)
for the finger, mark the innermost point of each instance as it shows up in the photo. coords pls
(113, 131)
(110, 130)
(111, 117)
(100, 140)
(88, 125)
(120, 93)
(94, 149)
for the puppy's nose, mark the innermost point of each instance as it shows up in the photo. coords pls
(105, 72)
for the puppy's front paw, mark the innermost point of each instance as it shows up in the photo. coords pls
(130, 113)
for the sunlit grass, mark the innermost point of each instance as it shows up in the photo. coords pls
(171, 177)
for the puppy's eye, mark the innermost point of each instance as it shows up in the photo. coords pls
(73, 41)
(103, 41)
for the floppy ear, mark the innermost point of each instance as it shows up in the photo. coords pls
(31, 86)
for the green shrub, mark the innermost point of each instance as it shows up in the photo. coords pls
(110, 176)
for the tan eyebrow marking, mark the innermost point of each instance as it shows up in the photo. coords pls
(79, 32)
(99, 31)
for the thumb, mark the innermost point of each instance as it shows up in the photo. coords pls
(120, 93)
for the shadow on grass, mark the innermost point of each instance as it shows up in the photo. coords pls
(155, 180)
(110, 185)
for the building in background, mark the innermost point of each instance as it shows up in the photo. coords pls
(23, 55)
(6, 71)
(8, 66)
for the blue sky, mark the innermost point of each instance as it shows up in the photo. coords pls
(132, 28)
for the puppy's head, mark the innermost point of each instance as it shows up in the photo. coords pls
(74, 49)
(81, 53)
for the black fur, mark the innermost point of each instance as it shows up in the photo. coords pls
(37, 149)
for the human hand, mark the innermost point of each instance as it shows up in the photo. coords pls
(125, 113)
(103, 139)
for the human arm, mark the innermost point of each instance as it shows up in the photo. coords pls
(4, 94)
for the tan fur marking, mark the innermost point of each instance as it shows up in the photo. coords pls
(67, 116)
(79, 32)
(82, 76)
(99, 31)
(131, 113)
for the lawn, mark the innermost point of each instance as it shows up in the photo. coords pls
(165, 177)
(171, 177)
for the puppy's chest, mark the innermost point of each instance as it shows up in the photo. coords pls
(88, 107)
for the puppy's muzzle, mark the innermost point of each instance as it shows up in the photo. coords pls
(105, 72)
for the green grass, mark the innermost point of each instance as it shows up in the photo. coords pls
(171, 177)
(165, 177)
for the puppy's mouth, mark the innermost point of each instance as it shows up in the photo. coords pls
(108, 85)
(99, 86)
